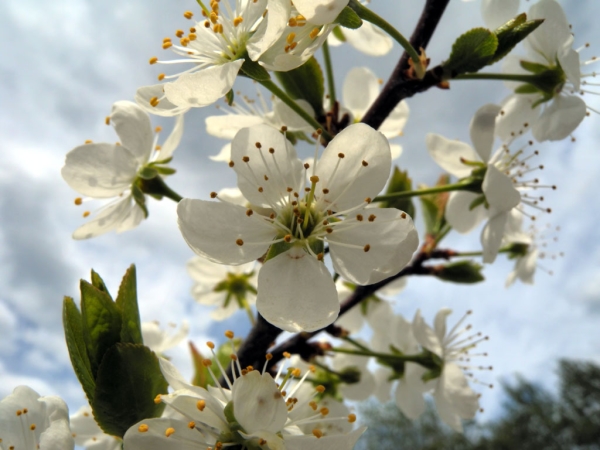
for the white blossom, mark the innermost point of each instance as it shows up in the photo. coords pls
(320, 12)
(160, 340)
(367, 39)
(31, 422)
(88, 434)
(497, 12)
(103, 171)
(295, 289)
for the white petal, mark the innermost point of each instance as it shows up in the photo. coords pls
(458, 214)
(172, 375)
(482, 130)
(499, 190)
(296, 292)
(258, 403)
(549, 37)
(159, 340)
(269, 29)
(454, 398)
(183, 438)
(525, 267)
(400, 258)
(449, 153)
(491, 237)
(212, 230)
(409, 392)
(172, 142)
(382, 384)
(361, 88)
(99, 170)
(439, 323)
(203, 87)
(369, 39)
(226, 126)
(320, 12)
(348, 179)
(516, 115)
(118, 216)
(206, 272)
(328, 442)
(384, 236)
(425, 335)
(271, 172)
(569, 61)
(224, 155)
(559, 119)
(393, 125)
(133, 126)
(497, 12)
(284, 115)
(164, 107)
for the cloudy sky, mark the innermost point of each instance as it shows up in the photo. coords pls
(65, 62)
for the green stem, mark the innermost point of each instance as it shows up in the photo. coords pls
(462, 186)
(496, 76)
(296, 107)
(368, 15)
(249, 312)
(158, 186)
(506, 249)
(355, 343)
(329, 72)
(419, 359)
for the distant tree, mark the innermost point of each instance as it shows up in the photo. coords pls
(532, 419)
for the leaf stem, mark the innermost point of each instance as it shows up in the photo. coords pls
(461, 186)
(329, 72)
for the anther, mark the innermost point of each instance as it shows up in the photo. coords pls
(320, 256)
(179, 33)
(157, 399)
(341, 155)
(32, 427)
(364, 163)
(314, 179)
(249, 212)
(258, 145)
(314, 33)
(288, 238)
(153, 60)
(192, 37)
(271, 150)
(245, 159)
(86, 214)
(372, 218)
(107, 120)
(351, 418)
(191, 425)
(231, 164)
(201, 404)
(143, 428)
(161, 76)
(317, 433)
(78, 201)
(324, 411)
(166, 45)
(325, 191)
(403, 215)
(169, 431)
(213, 195)
(359, 217)
(329, 230)
(88, 141)
(188, 15)
(368, 200)
(154, 101)
(237, 21)
(229, 334)
(366, 248)
(210, 345)
(260, 189)
(239, 242)
(306, 165)
(287, 355)
(320, 389)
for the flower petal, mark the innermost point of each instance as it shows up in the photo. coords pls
(384, 235)
(361, 88)
(369, 39)
(214, 230)
(516, 114)
(355, 165)
(548, 38)
(284, 115)
(449, 153)
(271, 173)
(559, 119)
(164, 107)
(482, 130)
(224, 154)
(409, 392)
(393, 125)
(172, 142)
(320, 12)
(99, 170)
(454, 399)
(425, 335)
(499, 190)
(203, 87)
(296, 292)
(525, 267)
(133, 126)
(226, 126)
(492, 235)
(458, 214)
(121, 215)
(258, 403)
(328, 442)
(154, 438)
(269, 29)
(569, 61)
(497, 12)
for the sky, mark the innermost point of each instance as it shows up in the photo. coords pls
(65, 62)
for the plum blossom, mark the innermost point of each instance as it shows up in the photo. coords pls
(367, 39)
(320, 12)
(31, 422)
(497, 12)
(295, 290)
(502, 186)
(88, 434)
(103, 171)
(254, 409)
(548, 106)
(454, 399)
(160, 340)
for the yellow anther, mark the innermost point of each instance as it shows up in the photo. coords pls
(161, 76)
(184, 41)
(292, 22)
(192, 425)
(153, 60)
(193, 29)
(167, 39)
(261, 441)
(314, 179)
(78, 201)
(249, 212)
(237, 21)
(169, 431)
(157, 399)
(86, 214)
(192, 37)
(296, 372)
(320, 256)
(233, 357)
(318, 433)
(312, 369)
(32, 426)
(188, 14)
(287, 355)
(166, 45)
(107, 120)
(218, 28)
(313, 405)
(372, 218)
(143, 428)
(179, 33)
(314, 33)
(324, 411)
(351, 418)
(201, 404)
(210, 345)
(290, 37)
(320, 389)
(19, 413)
(269, 356)
(368, 200)
(287, 238)
(206, 362)
(88, 141)
(158, 129)
(214, 17)
(154, 101)
(229, 334)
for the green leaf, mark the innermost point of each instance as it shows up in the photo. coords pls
(72, 324)
(229, 97)
(254, 70)
(349, 19)
(472, 51)
(430, 214)
(128, 381)
(463, 272)
(139, 197)
(526, 89)
(98, 282)
(131, 329)
(400, 182)
(305, 82)
(101, 323)
(147, 173)
(511, 33)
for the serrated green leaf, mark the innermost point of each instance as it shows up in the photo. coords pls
(400, 182)
(72, 324)
(229, 97)
(131, 329)
(98, 282)
(511, 33)
(348, 18)
(127, 383)
(472, 51)
(305, 82)
(254, 70)
(101, 323)
(463, 272)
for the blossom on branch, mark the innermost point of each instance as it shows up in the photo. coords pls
(295, 290)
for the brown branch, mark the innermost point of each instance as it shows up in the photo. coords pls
(399, 86)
